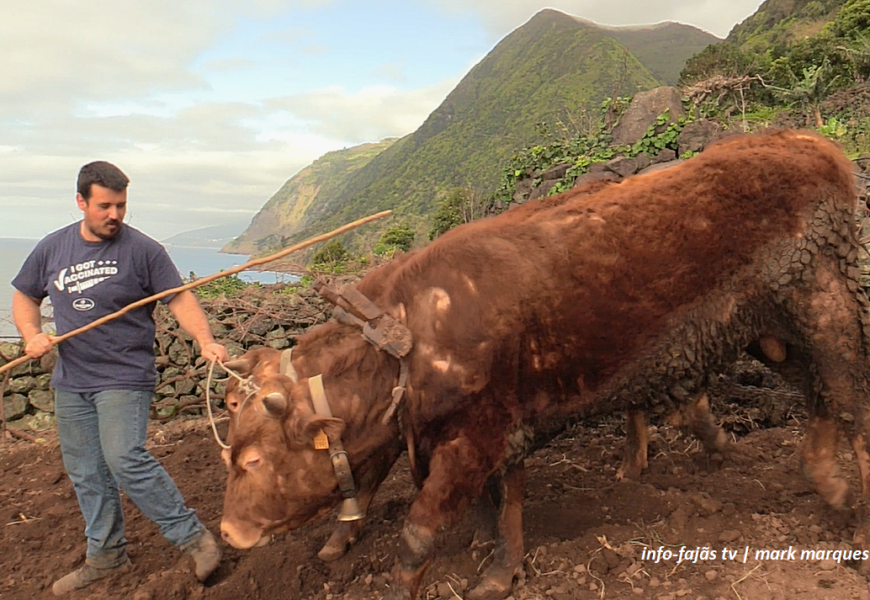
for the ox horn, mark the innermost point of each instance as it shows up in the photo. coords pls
(275, 403)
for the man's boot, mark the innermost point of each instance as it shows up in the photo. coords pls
(205, 553)
(84, 576)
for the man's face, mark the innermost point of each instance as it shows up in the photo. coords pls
(103, 213)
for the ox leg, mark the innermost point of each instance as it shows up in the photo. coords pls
(695, 416)
(497, 581)
(818, 452)
(701, 423)
(837, 327)
(486, 514)
(634, 457)
(347, 532)
(458, 471)
(819, 458)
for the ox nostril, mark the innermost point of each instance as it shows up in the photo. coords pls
(226, 536)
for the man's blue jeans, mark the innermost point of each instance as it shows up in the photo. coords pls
(102, 438)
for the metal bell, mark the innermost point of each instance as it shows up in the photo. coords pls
(350, 510)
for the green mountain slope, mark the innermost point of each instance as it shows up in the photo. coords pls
(295, 205)
(663, 48)
(556, 69)
(778, 23)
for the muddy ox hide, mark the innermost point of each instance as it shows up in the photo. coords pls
(619, 298)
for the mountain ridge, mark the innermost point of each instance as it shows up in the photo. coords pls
(554, 69)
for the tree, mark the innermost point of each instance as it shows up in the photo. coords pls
(720, 59)
(332, 253)
(853, 20)
(450, 213)
(395, 238)
(809, 91)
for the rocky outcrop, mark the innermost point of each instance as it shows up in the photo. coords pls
(643, 112)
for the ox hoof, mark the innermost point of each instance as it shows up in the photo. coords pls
(711, 462)
(344, 536)
(630, 472)
(495, 585)
(331, 552)
(490, 590)
(837, 494)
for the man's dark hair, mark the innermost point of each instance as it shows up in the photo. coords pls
(103, 174)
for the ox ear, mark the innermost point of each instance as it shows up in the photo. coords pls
(242, 365)
(308, 427)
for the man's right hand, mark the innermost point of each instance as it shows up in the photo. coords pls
(39, 345)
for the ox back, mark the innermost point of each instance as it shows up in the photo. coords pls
(632, 294)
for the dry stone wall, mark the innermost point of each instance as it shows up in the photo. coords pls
(260, 316)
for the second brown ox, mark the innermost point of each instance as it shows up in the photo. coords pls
(621, 298)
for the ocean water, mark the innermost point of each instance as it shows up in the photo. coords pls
(201, 261)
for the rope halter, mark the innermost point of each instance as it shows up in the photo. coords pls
(246, 386)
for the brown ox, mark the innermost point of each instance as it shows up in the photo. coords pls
(629, 297)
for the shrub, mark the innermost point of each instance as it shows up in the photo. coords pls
(332, 253)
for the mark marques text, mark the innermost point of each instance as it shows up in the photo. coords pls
(706, 554)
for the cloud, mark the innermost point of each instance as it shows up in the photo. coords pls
(500, 16)
(228, 64)
(393, 71)
(315, 49)
(120, 51)
(371, 114)
(57, 52)
(210, 105)
(203, 165)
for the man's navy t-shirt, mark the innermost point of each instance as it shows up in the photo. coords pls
(88, 280)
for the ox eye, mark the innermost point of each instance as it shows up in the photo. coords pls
(251, 459)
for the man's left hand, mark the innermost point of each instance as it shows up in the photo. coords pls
(215, 351)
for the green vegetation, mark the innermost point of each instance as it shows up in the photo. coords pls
(654, 141)
(396, 238)
(664, 48)
(332, 253)
(228, 286)
(449, 213)
(793, 56)
(581, 151)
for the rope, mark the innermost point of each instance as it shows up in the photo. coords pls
(217, 436)
(246, 386)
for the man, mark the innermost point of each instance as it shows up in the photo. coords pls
(105, 378)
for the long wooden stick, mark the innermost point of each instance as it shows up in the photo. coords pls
(194, 284)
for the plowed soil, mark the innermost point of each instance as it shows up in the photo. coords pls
(586, 534)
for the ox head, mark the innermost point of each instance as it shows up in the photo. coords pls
(277, 480)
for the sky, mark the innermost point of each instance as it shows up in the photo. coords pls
(209, 106)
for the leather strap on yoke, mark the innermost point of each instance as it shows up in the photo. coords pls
(383, 332)
(337, 454)
(378, 328)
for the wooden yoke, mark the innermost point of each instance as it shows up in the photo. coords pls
(378, 328)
